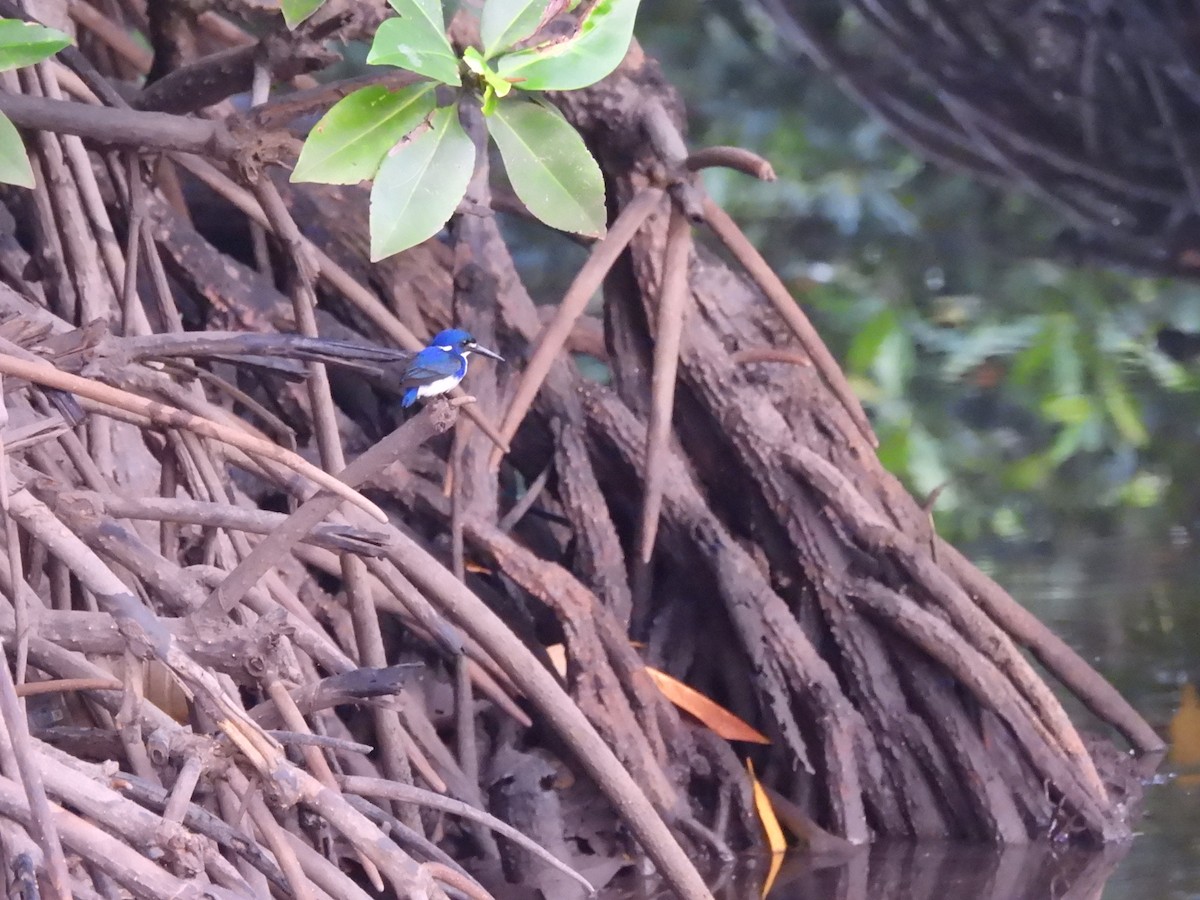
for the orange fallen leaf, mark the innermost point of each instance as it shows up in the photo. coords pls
(721, 721)
(1185, 736)
(558, 658)
(477, 569)
(770, 823)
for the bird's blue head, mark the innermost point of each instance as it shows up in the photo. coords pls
(455, 340)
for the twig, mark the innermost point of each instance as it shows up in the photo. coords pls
(216, 515)
(405, 793)
(62, 685)
(301, 739)
(280, 111)
(510, 519)
(112, 34)
(731, 158)
(43, 827)
(770, 354)
(672, 308)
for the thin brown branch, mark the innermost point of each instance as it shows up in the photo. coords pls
(405, 438)
(587, 281)
(770, 354)
(108, 126)
(46, 374)
(404, 793)
(672, 307)
(789, 310)
(731, 158)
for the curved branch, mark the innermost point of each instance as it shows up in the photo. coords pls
(45, 374)
(407, 793)
(121, 127)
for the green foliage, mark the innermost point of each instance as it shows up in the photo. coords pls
(506, 22)
(592, 52)
(14, 164)
(494, 87)
(349, 143)
(548, 164)
(296, 11)
(420, 183)
(416, 40)
(22, 44)
(1032, 385)
(26, 43)
(550, 168)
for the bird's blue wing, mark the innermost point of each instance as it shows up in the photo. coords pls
(429, 366)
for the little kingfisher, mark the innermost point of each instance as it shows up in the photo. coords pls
(440, 366)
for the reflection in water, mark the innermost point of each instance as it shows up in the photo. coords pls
(936, 871)
(1185, 738)
(1130, 607)
(925, 871)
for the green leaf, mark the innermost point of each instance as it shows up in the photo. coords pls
(14, 164)
(416, 40)
(595, 49)
(1122, 409)
(495, 86)
(489, 101)
(349, 143)
(505, 22)
(868, 339)
(549, 166)
(1069, 409)
(25, 43)
(419, 184)
(296, 11)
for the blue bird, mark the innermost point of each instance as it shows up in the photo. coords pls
(440, 366)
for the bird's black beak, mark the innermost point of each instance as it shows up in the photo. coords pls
(486, 352)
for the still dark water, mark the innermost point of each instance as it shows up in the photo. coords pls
(1131, 607)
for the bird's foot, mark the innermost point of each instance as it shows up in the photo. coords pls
(444, 410)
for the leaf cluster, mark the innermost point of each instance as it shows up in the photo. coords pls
(22, 44)
(414, 148)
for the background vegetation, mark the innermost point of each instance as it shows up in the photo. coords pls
(991, 361)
